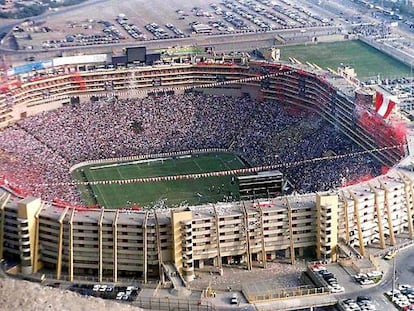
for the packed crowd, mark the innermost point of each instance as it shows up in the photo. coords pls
(382, 30)
(39, 150)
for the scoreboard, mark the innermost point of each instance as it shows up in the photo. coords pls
(261, 185)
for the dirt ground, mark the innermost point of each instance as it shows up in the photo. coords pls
(277, 275)
(23, 295)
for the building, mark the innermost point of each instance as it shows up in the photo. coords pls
(116, 243)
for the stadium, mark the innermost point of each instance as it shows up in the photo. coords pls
(355, 187)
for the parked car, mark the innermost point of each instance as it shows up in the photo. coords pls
(393, 292)
(404, 287)
(360, 276)
(374, 274)
(366, 282)
(234, 299)
(363, 298)
(318, 267)
(119, 295)
(337, 289)
(390, 255)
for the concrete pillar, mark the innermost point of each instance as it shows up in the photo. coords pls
(347, 239)
(217, 260)
(201, 263)
(287, 253)
(159, 251)
(70, 257)
(408, 191)
(389, 214)
(36, 246)
(379, 216)
(115, 246)
(60, 245)
(262, 255)
(300, 251)
(248, 254)
(358, 223)
(3, 199)
(100, 246)
(291, 235)
(145, 248)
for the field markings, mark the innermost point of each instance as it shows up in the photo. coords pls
(225, 164)
(105, 204)
(119, 194)
(114, 194)
(90, 193)
(120, 174)
(101, 195)
(199, 167)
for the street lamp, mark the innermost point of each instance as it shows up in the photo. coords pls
(393, 276)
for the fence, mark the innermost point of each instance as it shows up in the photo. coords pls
(288, 293)
(89, 279)
(157, 303)
(382, 46)
(147, 156)
(173, 304)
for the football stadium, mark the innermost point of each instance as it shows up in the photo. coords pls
(120, 171)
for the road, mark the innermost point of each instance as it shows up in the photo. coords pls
(404, 275)
(404, 264)
(222, 43)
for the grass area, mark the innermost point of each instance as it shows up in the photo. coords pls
(174, 192)
(367, 61)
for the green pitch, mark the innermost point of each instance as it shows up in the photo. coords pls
(170, 193)
(367, 61)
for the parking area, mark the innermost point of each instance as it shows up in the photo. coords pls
(129, 21)
(341, 280)
(341, 277)
(107, 291)
(361, 303)
(328, 276)
(402, 297)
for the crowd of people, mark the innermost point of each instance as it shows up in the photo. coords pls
(382, 30)
(37, 152)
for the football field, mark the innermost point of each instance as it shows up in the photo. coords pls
(161, 193)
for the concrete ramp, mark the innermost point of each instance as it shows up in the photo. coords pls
(296, 303)
(179, 287)
(348, 250)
